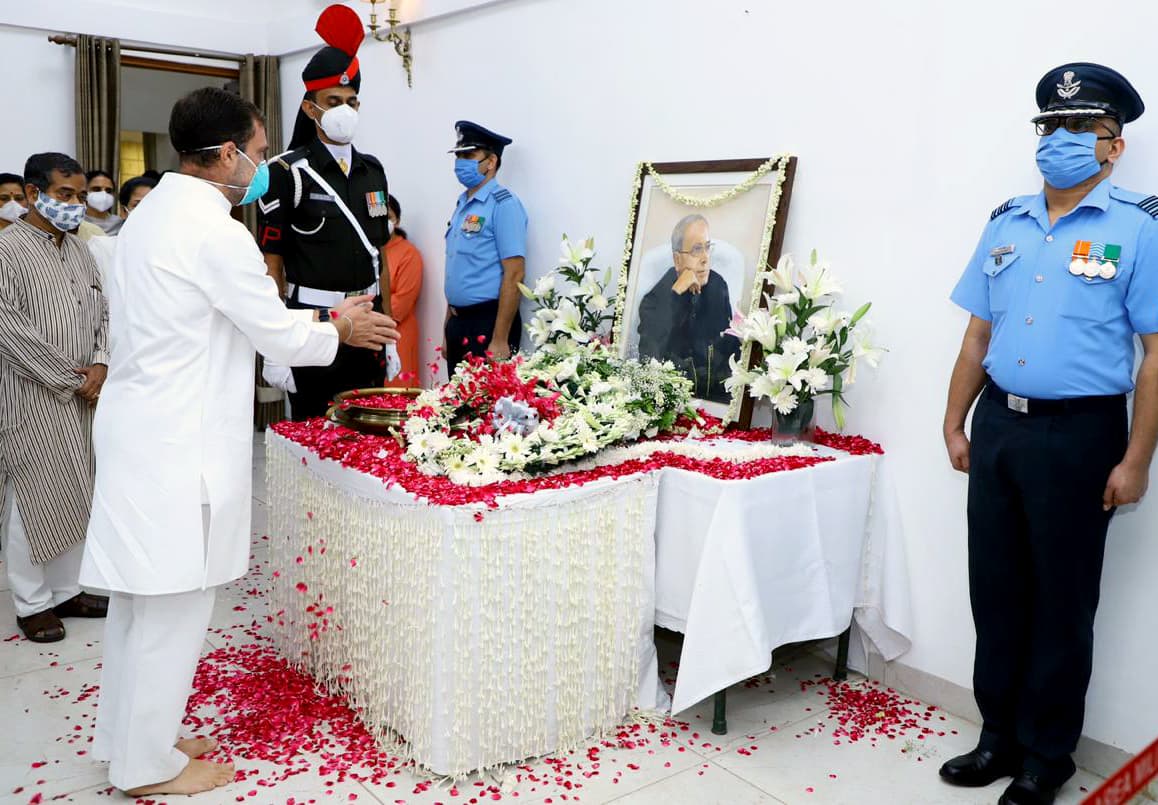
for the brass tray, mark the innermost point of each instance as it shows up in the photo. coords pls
(367, 419)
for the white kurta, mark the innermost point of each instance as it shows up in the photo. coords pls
(189, 303)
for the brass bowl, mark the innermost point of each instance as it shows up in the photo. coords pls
(365, 418)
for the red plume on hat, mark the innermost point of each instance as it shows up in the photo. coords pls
(341, 28)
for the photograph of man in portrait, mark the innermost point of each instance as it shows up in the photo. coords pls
(683, 317)
(690, 270)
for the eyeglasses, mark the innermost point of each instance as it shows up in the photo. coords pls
(1074, 125)
(700, 249)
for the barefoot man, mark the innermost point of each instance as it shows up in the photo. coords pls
(189, 303)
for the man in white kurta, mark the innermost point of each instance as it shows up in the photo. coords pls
(189, 303)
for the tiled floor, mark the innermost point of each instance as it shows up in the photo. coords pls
(780, 747)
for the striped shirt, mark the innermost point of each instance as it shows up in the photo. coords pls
(53, 319)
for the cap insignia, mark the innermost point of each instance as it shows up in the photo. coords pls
(344, 80)
(1068, 88)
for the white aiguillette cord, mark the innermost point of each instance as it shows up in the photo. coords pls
(390, 351)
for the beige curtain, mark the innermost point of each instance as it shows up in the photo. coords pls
(261, 85)
(98, 103)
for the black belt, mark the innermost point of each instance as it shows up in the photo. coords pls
(478, 309)
(1033, 407)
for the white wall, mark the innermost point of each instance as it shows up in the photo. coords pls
(910, 120)
(36, 96)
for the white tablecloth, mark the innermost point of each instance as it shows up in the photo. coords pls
(745, 566)
(478, 641)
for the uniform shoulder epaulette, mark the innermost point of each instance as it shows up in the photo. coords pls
(501, 195)
(1004, 208)
(286, 158)
(1149, 205)
(373, 160)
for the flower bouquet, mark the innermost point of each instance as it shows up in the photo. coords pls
(570, 399)
(810, 348)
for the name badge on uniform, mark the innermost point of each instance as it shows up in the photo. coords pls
(1090, 260)
(473, 223)
(321, 197)
(999, 253)
(376, 204)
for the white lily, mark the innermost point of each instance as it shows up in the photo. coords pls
(575, 255)
(589, 287)
(782, 275)
(568, 320)
(545, 285)
(539, 329)
(764, 386)
(819, 281)
(782, 367)
(787, 298)
(818, 355)
(864, 349)
(828, 320)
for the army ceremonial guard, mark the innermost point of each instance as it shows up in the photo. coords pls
(486, 247)
(1059, 285)
(323, 224)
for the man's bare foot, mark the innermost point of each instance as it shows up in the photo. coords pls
(198, 776)
(196, 747)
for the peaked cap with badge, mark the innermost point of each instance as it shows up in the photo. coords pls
(472, 136)
(1085, 88)
(335, 65)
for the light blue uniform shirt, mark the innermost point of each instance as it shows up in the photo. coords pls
(485, 229)
(1056, 335)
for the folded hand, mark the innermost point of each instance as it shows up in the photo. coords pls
(94, 379)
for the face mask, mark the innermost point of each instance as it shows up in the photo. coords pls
(65, 217)
(101, 200)
(12, 210)
(468, 173)
(339, 123)
(1066, 159)
(258, 185)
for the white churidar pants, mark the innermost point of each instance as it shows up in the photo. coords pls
(151, 649)
(35, 588)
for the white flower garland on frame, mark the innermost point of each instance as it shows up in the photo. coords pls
(779, 163)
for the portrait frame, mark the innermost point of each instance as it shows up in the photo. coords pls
(761, 186)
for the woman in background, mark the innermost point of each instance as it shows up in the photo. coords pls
(101, 200)
(405, 285)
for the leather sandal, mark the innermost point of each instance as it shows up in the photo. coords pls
(43, 627)
(85, 605)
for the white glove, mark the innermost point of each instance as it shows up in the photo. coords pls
(278, 376)
(393, 362)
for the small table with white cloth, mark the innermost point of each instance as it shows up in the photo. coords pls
(746, 566)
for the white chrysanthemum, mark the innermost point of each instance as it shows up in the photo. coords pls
(784, 401)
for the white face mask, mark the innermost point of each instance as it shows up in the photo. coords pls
(101, 200)
(339, 123)
(12, 210)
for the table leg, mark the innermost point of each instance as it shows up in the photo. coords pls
(720, 718)
(841, 672)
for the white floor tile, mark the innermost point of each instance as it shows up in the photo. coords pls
(708, 784)
(17, 655)
(804, 763)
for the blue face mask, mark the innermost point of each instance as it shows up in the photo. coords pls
(1066, 159)
(468, 173)
(258, 185)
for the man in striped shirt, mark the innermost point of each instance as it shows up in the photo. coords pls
(53, 359)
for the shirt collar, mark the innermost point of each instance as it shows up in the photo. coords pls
(320, 154)
(23, 226)
(483, 193)
(1098, 197)
(184, 183)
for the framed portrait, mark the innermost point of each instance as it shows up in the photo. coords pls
(699, 237)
